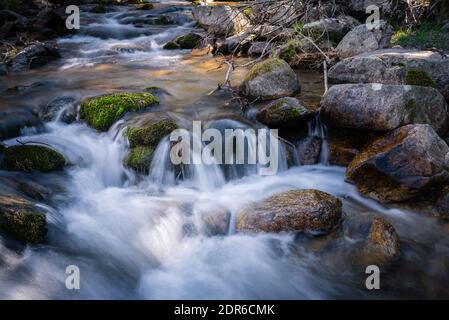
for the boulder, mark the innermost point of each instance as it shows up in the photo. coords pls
(216, 223)
(395, 66)
(383, 107)
(257, 48)
(270, 79)
(284, 113)
(221, 19)
(33, 158)
(309, 150)
(103, 111)
(151, 134)
(297, 210)
(332, 28)
(63, 109)
(239, 43)
(21, 220)
(361, 39)
(33, 56)
(401, 164)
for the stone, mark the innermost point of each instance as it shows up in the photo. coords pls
(284, 113)
(33, 158)
(401, 165)
(332, 28)
(221, 19)
(311, 211)
(63, 109)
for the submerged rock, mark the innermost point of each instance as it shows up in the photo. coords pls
(217, 223)
(63, 108)
(401, 165)
(221, 19)
(395, 66)
(309, 150)
(33, 158)
(284, 113)
(187, 41)
(103, 111)
(270, 79)
(31, 57)
(384, 238)
(383, 107)
(297, 210)
(21, 220)
(361, 39)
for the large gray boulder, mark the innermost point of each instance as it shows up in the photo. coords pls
(296, 210)
(395, 66)
(270, 79)
(221, 19)
(401, 165)
(333, 28)
(381, 107)
(361, 39)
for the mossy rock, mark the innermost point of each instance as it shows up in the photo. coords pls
(188, 41)
(33, 158)
(264, 67)
(151, 134)
(139, 158)
(147, 6)
(163, 20)
(418, 77)
(171, 46)
(284, 113)
(103, 111)
(20, 221)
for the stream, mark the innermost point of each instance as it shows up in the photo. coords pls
(143, 237)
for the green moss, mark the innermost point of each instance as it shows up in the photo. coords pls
(32, 157)
(248, 12)
(264, 67)
(288, 52)
(418, 77)
(101, 112)
(163, 20)
(146, 6)
(424, 36)
(139, 158)
(188, 41)
(152, 134)
(24, 226)
(170, 46)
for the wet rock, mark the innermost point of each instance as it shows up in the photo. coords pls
(309, 150)
(187, 41)
(217, 223)
(284, 113)
(297, 210)
(128, 48)
(401, 164)
(384, 238)
(103, 111)
(31, 57)
(383, 107)
(27, 187)
(395, 66)
(151, 134)
(139, 159)
(33, 158)
(48, 24)
(270, 79)
(221, 19)
(361, 39)
(333, 28)
(63, 109)
(442, 203)
(12, 121)
(21, 220)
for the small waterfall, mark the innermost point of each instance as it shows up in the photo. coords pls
(162, 170)
(316, 128)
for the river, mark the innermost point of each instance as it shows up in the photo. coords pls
(136, 237)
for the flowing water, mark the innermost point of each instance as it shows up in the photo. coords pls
(144, 237)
